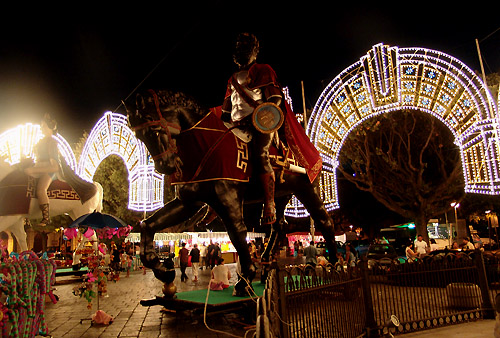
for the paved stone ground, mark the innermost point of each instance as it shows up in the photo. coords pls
(131, 319)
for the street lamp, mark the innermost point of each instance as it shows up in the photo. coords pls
(454, 205)
(488, 218)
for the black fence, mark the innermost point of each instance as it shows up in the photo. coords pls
(378, 296)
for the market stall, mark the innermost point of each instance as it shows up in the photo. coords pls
(173, 241)
(301, 240)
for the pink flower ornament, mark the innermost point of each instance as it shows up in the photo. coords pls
(89, 233)
(70, 233)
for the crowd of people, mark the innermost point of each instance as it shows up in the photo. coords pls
(314, 257)
(414, 250)
(209, 257)
(419, 248)
(119, 257)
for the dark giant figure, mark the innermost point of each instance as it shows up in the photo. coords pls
(211, 165)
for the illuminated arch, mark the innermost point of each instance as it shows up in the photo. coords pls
(19, 142)
(111, 135)
(390, 78)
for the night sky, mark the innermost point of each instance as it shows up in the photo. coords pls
(78, 62)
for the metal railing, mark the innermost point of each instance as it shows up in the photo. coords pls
(431, 292)
(326, 301)
(332, 301)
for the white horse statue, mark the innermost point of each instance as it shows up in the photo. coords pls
(74, 208)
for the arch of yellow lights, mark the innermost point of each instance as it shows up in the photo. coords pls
(390, 78)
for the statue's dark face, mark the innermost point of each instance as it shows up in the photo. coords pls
(246, 51)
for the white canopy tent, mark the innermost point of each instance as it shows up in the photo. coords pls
(135, 237)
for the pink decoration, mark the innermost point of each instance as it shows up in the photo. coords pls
(124, 231)
(89, 233)
(102, 248)
(110, 232)
(70, 233)
(101, 317)
(91, 277)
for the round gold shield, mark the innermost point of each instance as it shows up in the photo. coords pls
(267, 117)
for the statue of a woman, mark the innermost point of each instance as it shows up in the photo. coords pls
(46, 165)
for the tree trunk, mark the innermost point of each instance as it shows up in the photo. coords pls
(421, 226)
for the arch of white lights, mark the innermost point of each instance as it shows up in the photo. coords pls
(390, 78)
(385, 79)
(110, 135)
(19, 142)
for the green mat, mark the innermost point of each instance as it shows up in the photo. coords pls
(70, 271)
(218, 297)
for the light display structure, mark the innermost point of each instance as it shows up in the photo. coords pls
(386, 79)
(391, 78)
(111, 135)
(19, 142)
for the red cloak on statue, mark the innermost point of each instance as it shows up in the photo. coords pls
(307, 156)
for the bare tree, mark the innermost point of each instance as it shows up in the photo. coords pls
(408, 162)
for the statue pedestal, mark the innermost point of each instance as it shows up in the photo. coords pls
(169, 289)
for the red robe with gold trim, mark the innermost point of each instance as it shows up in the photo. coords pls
(307, 156)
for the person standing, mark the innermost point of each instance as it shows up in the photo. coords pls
(210, 250)
(195, 261)
(420, 246)
(214, 255)
(184, 261)
(311, 252)
(203, 255)
(115, 257)
(295, 248)
(434, 245)
(466, 244)
(350, 258)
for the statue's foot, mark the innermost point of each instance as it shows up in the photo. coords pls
(44, 208)
(243, 287)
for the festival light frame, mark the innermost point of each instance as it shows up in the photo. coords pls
(390, 78)
(386, 79)
(19, 142)
(112, 136)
